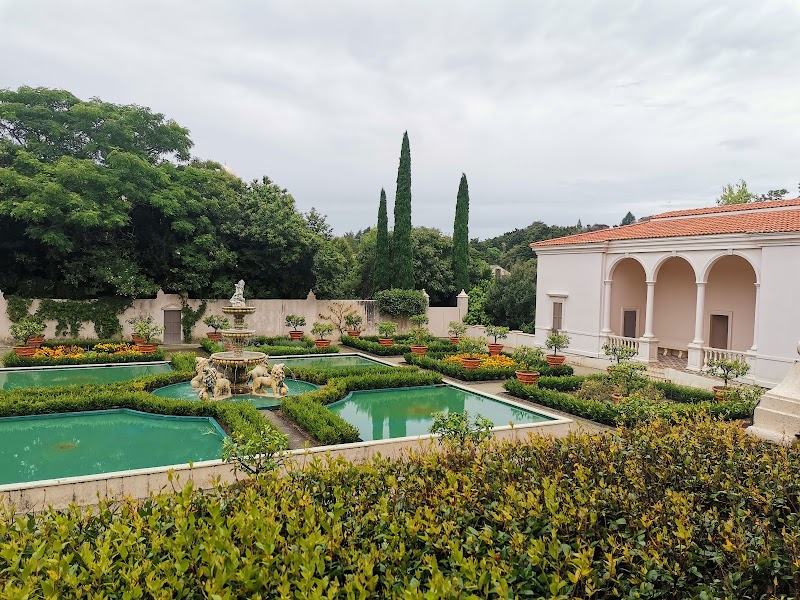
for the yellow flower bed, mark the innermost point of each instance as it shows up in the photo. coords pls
(487, 362)
(78, 352)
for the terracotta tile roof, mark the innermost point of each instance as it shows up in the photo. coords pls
(728, 222)
(729, 208)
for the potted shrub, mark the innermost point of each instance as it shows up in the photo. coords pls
(497, 333)
(725, 369)
(627, 377)
(353, 322)
(386, 331)
(320, 330)
(21, 331)
(295, 322)
(419, 334)
(555, 342)
(526, 357)
(144, 329)
(472, 350)
(37, 326)
(216, 322)
(456, 330)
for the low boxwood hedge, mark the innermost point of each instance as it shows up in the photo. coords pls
(456, 371)
(628, 412)
(696, 510)
(672, 391)
(309, 412)
(211, 347)
(92, 358)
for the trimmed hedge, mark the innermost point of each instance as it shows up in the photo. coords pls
(672, 391)
(370, 344)
(233, 416)
(628, 412)
(456, 371)
(309, 412)
(697, 510)
(211, 347)
(99, 358)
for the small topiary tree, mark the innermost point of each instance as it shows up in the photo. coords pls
(320, 329)
(25, 328)
(456, 429)
(557, 341)
(628, 377)
(619, 353)
(257, 453)
(526, 357)
(472, 347)
(217, 322)
(456, 329)
(497, 332)
(387, 329)
(295, 321)
(353, 322)
(727, 369)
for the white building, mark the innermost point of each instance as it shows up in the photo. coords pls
(682, 287)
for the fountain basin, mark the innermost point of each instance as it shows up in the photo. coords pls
(236, 366)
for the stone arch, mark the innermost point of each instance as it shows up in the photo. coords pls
(628, 278)
(612, 267)
(657, 267)
(706, 270)
(730, 301)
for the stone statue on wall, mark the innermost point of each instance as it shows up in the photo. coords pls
(238, 296)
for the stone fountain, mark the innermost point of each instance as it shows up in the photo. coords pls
(237, 362)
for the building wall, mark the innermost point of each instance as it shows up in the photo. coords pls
(577, 281)
(778, 314)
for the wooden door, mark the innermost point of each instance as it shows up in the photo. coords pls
(718, 334)
(172, 327)
(629, 324)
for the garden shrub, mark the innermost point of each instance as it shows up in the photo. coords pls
(400, 303)
(630, 411)
(399, 348)
(317, 420)
(183, 361)
(293, 350)
(657, 511)
(684, 393)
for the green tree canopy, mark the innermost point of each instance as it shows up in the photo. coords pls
(628, 219)
(511, 300)
(402, 251)
(735, 194)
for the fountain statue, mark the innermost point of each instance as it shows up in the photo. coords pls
(229, 372)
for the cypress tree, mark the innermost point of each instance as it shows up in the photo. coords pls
(382, 274)
(402, 254)
(461, 237)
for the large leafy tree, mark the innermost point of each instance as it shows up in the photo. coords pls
(511, 300)
(402, 252)
(461, 237)
(334, 270)
(382, 280)
(735, 194)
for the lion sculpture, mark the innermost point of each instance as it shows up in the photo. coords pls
(275, 380)
(212, 385)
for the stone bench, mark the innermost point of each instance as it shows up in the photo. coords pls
(680, 353)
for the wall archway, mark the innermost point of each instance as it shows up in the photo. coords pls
(675, 298)
(730, 300)
(628, 294)
(684, 257)
(706, 270)
(613, 266)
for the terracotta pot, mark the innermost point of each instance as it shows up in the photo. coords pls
(214, 336)
(138, 340)
(24, 350)
(147, 348)
(555, 360)
(354, 334)
(421, 350)
(296, 335)
(455, 340)
(386, 341)
(470, 363)
(527, 377)
(322, 343)
(494, 349)
(615, 398)
(35, 342)
(720, 392)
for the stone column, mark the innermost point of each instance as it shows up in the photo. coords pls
(606, 307)
(462, 303)
(695, 359)
(648, 344)
(754, 347)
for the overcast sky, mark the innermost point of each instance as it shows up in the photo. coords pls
(556, 111)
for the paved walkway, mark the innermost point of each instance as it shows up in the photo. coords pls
(297, 437)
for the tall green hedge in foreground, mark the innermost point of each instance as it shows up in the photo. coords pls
(697, 510)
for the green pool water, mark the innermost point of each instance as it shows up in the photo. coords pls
(329, 360)
(77, 375)
(185, 391)
(394, 413)
(70, 444)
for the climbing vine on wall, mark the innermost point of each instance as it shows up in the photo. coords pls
(71, 314)
(17, 307)
(189, 317)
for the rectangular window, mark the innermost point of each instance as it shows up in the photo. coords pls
(558, 311)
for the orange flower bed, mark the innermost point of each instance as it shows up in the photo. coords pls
(487, 362)
(78, 352)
